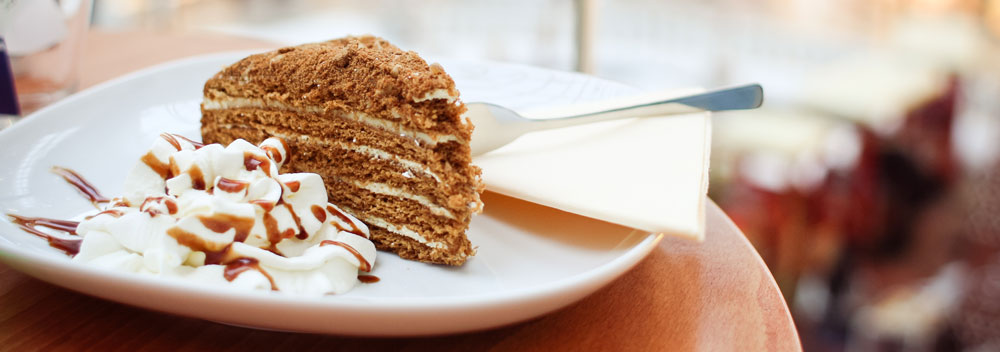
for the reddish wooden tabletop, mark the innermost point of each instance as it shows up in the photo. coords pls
(716, 295)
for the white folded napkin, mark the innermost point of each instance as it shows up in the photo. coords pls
(647, 173)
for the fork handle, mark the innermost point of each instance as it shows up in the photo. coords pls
(736, 98)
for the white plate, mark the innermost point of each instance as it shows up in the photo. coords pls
(532, 260)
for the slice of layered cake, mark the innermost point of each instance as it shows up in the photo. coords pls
(383, 128)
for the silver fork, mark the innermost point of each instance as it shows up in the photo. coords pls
(496, 125)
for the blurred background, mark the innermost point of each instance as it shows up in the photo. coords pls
(868, 182)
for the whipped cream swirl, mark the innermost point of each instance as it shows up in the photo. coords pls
(224, 215)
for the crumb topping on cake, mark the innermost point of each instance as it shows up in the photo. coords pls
(365, 73)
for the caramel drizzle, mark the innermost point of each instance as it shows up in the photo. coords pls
(354, 227)
(213, 253)
(220, 223)
(170, 203)
(173, 140)
(268, 205)
(368, 279)
(243, 264)
(121, 202)
(273, 153)
(81, 185)
(169, 170)
(158, 166)
(113, 212)
(298, 222)
(287, 149)
(365, 265)
(264, 204)
(273, 235)
(70, 246)
(231, 186)
(197, 178)
(253, 161)
(197, 145)
(318, 212)
(55, 224)
(171, 206)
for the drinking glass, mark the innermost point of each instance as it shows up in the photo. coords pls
(43, 39)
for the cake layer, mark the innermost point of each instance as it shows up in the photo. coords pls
(444, 159)
(224, 102)
(427, 238)
(396, 210)
(360, 162)
(408, 248)
(420, 193)
(346, 174)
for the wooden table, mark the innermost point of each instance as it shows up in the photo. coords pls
(716, 295)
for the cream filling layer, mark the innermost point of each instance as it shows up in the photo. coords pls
(243, 103)
(382, 188)
(402, 231)
(361, 149)
(378, 187)
(437, 94)
(368, 151)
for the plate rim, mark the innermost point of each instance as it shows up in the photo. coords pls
(630, 257)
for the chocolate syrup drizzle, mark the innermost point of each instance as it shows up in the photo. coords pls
(173, 140)
(238, 266)
(220, 223)
(70, 246)
(113, 212)
(232, 186)
(81, 185)
(170, 203)
(273, 152)
(354, 228)
(365, 265)
(368, 279)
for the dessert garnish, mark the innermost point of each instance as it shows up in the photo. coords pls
(217, 215)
